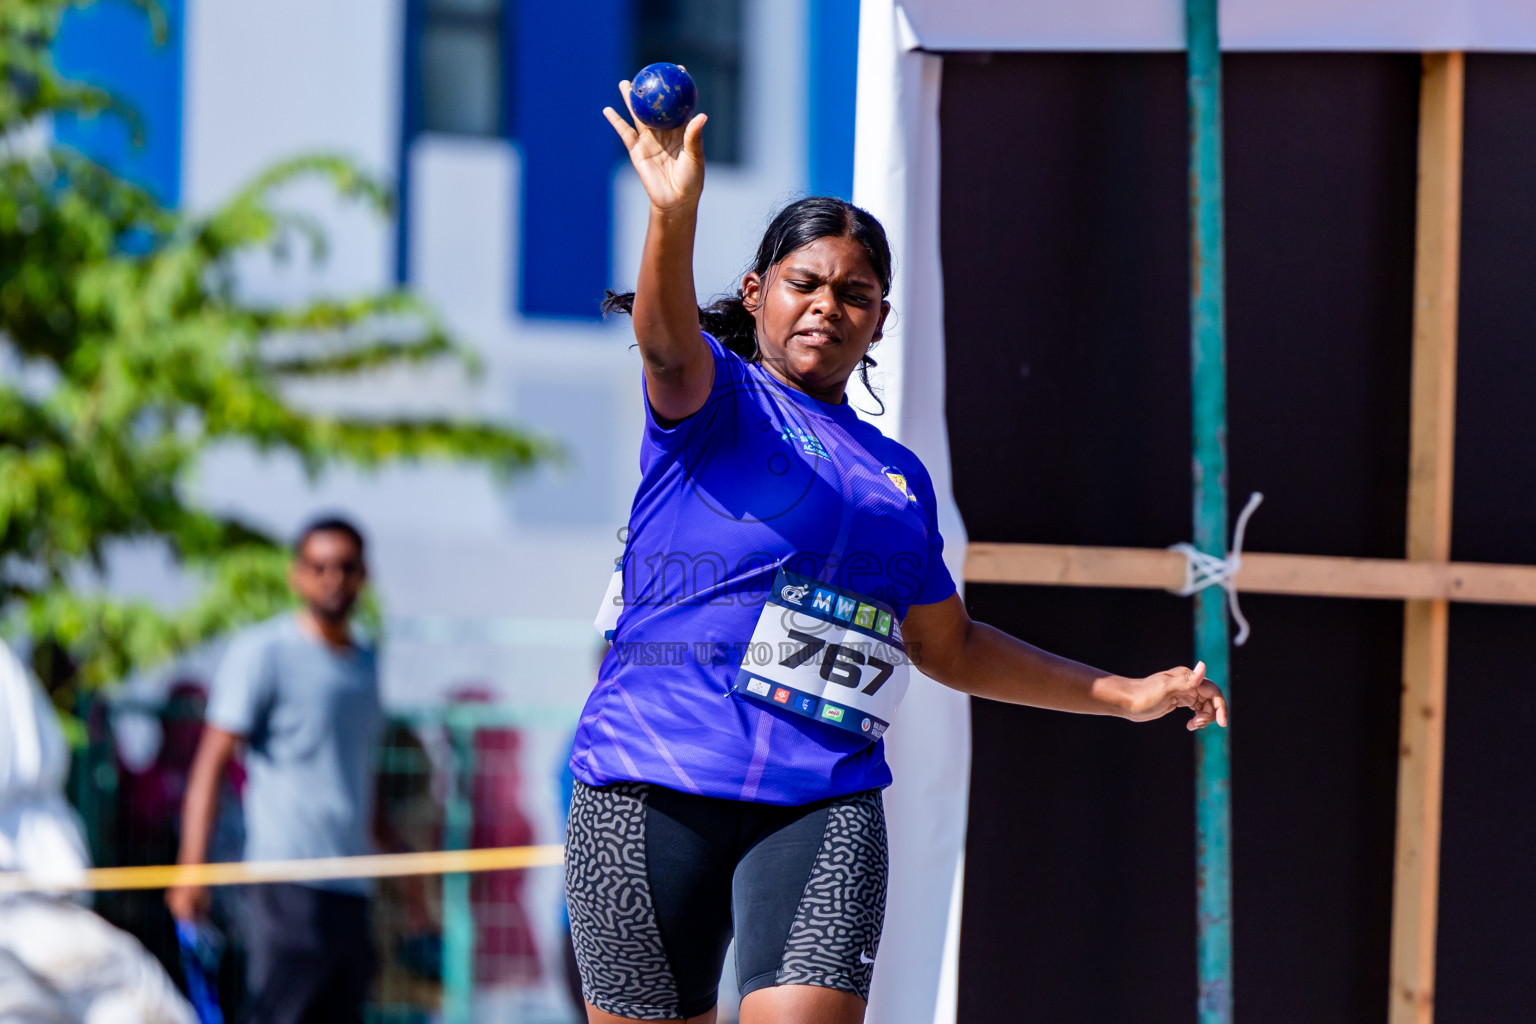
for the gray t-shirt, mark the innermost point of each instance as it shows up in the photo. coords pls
(312, 722)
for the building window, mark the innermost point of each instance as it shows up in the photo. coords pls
(461, 67)
(464, 50)
(704, 36)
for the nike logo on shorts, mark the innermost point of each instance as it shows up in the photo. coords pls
(865, 958)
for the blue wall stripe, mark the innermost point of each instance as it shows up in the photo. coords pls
(110, 44)
(410, 127)
(833, 50)
(569, 59)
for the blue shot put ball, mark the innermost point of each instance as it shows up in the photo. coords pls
(663, 96)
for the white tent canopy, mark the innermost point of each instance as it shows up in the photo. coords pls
(896, 177)
(39, 832)
(1124, 25)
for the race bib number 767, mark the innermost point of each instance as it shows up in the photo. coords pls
(826, 653)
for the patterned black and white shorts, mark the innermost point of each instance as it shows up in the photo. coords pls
(658, 882)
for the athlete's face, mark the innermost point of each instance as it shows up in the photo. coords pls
(818, 310)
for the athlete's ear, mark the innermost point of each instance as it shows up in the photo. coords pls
(885, 311)
(752, 290)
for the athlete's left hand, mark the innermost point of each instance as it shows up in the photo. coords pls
(1156, 695)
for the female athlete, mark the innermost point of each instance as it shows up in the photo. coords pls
(782, 567)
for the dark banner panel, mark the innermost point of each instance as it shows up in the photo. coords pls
(1321, 154)
(1063, 223)
(1488, 859)
(1080, 853)
(1064, 234)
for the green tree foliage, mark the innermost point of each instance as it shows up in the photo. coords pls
(126, 351)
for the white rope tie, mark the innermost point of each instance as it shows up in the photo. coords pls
(1202, 570)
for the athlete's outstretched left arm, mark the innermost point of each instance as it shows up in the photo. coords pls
(947, 645)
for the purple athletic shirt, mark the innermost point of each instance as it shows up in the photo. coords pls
(762, 477)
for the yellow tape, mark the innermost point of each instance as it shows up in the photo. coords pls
(383, 865)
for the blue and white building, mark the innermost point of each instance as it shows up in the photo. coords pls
(517, 208)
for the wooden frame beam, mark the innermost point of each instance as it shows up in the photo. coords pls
(1421, 753)
(1304, 575)
(1426, 581)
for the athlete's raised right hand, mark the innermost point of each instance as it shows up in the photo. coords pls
(670, 163)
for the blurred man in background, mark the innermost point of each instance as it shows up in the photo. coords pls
(301, 695)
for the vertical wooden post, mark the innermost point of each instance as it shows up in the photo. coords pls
(1432, 441)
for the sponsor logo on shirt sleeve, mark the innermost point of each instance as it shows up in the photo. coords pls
(808, 442)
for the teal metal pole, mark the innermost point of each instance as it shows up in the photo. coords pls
(458, 914)
(1207, 307)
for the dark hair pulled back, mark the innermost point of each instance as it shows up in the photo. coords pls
(792, 228)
